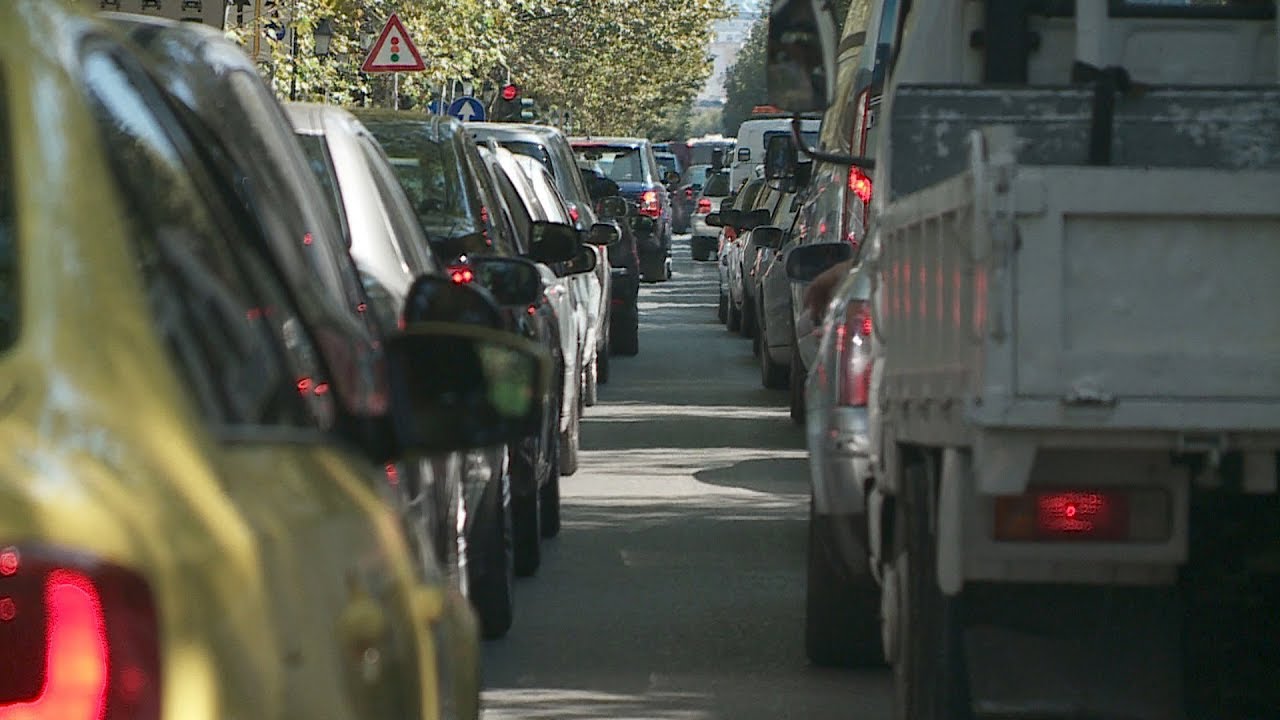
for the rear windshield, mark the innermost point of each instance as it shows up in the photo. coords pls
(8, 232)
(668, 163)
(619, 164)
(717, 185)
(709, 153)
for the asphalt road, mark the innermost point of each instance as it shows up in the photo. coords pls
(676, 588)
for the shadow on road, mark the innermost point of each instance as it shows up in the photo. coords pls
(766, 475)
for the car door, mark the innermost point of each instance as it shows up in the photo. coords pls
(331, 558)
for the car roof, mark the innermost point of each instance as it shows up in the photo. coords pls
(607, 140)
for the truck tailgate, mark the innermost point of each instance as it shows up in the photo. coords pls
(1147, 283)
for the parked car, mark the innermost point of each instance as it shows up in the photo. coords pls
(729, 249)
(742, 305)
(550, 147)
(175, 400)
(630, 163)
(684, 196)
(624, 327)
(667, 161)
(705, 240)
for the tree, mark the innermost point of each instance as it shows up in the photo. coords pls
(744, 81)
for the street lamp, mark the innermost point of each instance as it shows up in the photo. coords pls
(322, 35)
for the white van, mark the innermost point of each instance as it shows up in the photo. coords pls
(752, 136)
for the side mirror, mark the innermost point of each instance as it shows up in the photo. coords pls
(460, 245)
(800, 58)
(754, 219)
(769, 236)
(744, 154)
(614, 207)
(584, 261)
(727, 203)
(713, 220)
(671, 178)
(806, 262)
(553, 242)
(460, 386)
(512, 281)
(731, 217)
(432, 298)
(603, 234)
(780, 158)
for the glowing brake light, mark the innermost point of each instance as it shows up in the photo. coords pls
(853, 355)
(704, 206)
(649, 204)
(78, 640)
(860, 184)
(461, 275)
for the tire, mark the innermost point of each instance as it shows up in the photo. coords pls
(930, 682)
(569, 442)
(734, 320)
(549, 503)
(772, 375)
(722, 312)
(602, 364)
(526, 529)
(842, 601)
(590, 393)
(626, 339)
(491, 562)
(797, 387)
(666, 269)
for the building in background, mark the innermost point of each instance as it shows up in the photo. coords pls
(730, 35)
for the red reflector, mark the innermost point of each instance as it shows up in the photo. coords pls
(75, 675)
(533, 309)
(322, 388)
(1093, 514)
(8, 561)
(307, 239)
(393, 475)
(361, 308)
(573, 214)
(304, 385)
(8, 609)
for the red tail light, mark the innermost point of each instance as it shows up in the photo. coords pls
(860, 184)
(1113, 515)
(704, 206)
(78, 640)
(649, 203)
(461, 275)
(853, 355)
(688, 193)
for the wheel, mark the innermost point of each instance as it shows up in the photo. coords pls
(526, 528)
(602, 364)
(666, 269)
(722, 312)
(491, 561)
(549, 503)
(568, 446)
(772, 375)
(733, 321)
(842, 600)
(797, 387)
(589, 391)
(748, 327)
(930, 682)
(626, 338)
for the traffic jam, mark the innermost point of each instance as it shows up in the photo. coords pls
(671, 360)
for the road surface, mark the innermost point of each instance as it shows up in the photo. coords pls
(676, 588)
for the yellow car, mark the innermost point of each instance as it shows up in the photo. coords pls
(189, 526)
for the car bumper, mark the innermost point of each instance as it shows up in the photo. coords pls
(839, 461)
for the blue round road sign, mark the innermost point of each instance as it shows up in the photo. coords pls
(467, 109)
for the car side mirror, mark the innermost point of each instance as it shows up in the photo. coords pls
(754, 219)
(806, 262)
(780, 158)
(727, 203)
(713, 220)
(461, 386)
(614, 207)
(511, 281)
(433, 298)
(583, 262)
(603, 234)
(769, 236)
(800, 55)
(731, 217)
(553, 242)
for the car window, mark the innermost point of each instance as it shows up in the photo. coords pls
(408, 237)
(497, 230)
(529, 149)
(570, 180)
(717, 185)
(620, 164)
(229, 324)
(749, 194)
(431, 173)
(514, 202)
(317, 152)
(8, 232)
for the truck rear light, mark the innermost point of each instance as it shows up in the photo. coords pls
(78, 639)
(853, 355)
(1084, 515)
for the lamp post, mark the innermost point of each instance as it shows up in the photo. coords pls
(321, 37)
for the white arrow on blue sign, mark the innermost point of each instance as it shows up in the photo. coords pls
(467, 109)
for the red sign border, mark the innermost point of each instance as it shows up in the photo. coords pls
(393, 22)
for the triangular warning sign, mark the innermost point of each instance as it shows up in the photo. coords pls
(394, 51)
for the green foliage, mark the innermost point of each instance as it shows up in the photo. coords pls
(744, 82)
(620, 66)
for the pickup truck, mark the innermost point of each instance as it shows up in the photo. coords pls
(1074, 411)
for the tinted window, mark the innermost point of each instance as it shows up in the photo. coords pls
(529, 149)
(408, 237)
(8, 233)
(428, 167)
(233, 332)
(317, 152)
(620, 164)
(717, 185)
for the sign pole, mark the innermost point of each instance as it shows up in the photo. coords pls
(395, 91)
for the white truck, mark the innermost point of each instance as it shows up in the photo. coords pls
(1075, 413)
(753, 135)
